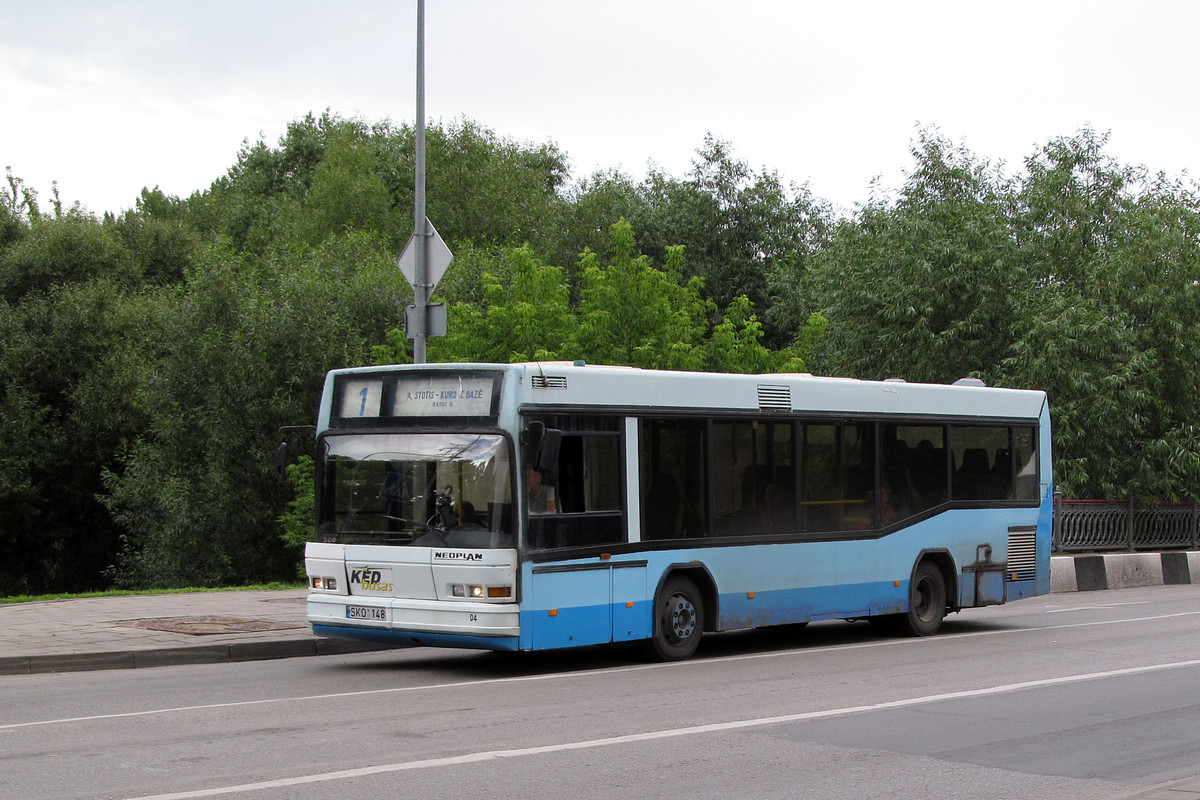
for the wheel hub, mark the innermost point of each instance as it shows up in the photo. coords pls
(683, 618)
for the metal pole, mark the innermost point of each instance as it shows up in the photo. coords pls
(421, 270)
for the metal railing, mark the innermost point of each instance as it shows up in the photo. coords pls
(1094, 525)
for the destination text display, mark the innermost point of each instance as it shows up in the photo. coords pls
(443, 396)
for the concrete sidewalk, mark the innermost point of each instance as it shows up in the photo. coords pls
(207, 627)
(158, 630)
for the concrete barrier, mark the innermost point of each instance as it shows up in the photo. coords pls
(1085, 573)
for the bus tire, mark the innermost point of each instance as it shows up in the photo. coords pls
(678, 620)
(926, 605)
(926, 601)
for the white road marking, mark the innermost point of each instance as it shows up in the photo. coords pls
(587, 673)
(719, 727)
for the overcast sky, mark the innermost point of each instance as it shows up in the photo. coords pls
(109, 96)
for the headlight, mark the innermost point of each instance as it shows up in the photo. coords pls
(475, 591)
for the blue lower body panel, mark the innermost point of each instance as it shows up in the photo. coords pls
(417, 638)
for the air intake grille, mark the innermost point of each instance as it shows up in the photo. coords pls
(774, 398)
(1022, 553)
(549, 381)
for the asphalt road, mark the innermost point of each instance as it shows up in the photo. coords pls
(1089, 695)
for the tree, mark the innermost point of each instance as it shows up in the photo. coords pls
(523, 317)
(346, 194)
(67, 364)
(240, 351)
(72, 248)
(1111, 322)
(634, 314)
(922, 289)
(741, 229)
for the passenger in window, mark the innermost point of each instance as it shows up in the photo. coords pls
(541, 494)
(889, 506)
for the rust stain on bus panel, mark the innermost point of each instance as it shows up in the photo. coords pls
(988, 582)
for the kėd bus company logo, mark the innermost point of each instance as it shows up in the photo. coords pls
(371, 579)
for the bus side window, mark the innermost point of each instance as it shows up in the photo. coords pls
(585, 484)
(676, 448)
(664, 507)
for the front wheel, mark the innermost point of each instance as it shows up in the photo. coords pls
(678, 620)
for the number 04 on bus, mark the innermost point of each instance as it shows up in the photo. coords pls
(536, 506)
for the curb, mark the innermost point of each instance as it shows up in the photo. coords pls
(1092, 572)
(1078, 573)
(174, 656)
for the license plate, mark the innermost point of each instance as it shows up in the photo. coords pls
(366, 612)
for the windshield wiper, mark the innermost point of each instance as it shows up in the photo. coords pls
(415, 524)
(444, 505)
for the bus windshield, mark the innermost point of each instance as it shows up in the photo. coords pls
(419, 489)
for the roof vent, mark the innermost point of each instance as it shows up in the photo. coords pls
(969, 382)
(774, 398)
(549, 381)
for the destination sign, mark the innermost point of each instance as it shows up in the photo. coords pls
(443, 396)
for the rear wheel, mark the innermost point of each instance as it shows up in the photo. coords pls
(926, 601)
(678, 620)
(926, 605)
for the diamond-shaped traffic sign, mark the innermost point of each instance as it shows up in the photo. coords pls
(438, 257)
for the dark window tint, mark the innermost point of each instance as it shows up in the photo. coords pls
(1027, 482)
(983, 463)
(754, 480)
(674, 481)
(913, 477)
(838, 468)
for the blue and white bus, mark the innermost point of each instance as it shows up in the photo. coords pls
(547, 505)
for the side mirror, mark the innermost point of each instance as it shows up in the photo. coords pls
(542, 445)
(281, 460)
(546, 457)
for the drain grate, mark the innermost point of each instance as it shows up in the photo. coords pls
(206, 625)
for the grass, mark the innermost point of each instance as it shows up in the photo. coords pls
(30, 598)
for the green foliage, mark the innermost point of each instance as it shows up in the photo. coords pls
(148, 361)
(746, 233)
(736, 345)
(346, 194)
(523, 317)
(1078, 278)
(240, 352)
(330, 175)
(299, 522)
(1111, 321)
(59, 250)
(634, 314)
(921, 289)
(66, 369)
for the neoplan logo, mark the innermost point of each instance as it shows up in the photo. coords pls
(456, 556)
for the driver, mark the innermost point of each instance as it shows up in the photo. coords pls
(541, 494)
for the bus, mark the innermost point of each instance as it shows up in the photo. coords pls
(547, 505)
